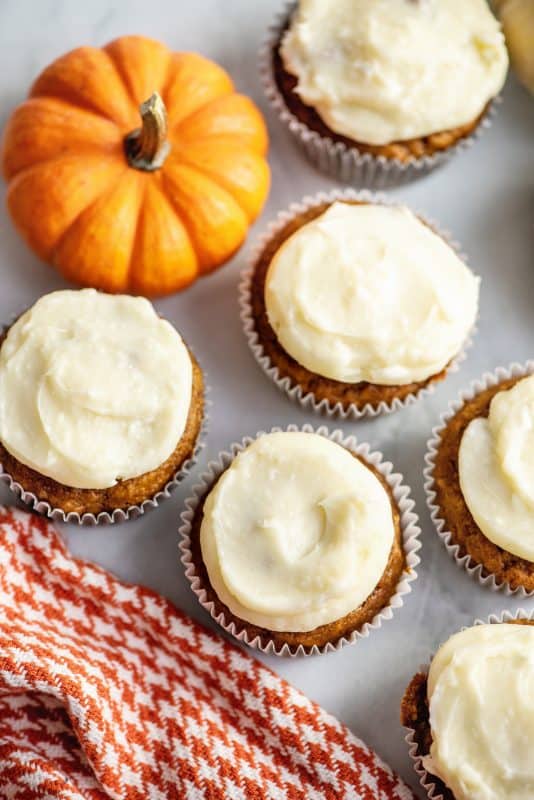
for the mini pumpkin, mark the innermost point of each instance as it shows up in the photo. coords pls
(130, 204)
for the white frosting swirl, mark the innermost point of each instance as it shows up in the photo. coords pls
(496, 468)
(381, 71)
(370, 293)
(94, 388)
(296, 533)
(481, 697)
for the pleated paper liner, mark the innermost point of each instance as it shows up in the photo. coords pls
(285, 383)
(409, 528)
(476, 571)
(426, 779)
(338, 159)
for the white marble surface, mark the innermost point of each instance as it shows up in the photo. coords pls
(485, 198)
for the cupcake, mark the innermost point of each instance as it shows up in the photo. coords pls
(354, 306)
(101, 404)
(480, 480)
(470, 719)
(384, 89)
(298, 542)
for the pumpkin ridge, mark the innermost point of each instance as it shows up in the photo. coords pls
(76, 249)
(23, 174)
(204, 266)
(60, 106)
(176, 132)
(141, 276)
(136, 244)
(111, 154)
(218, 180)
(69, 94)
(165, 180)
(125, 81)
(122, 76)
(73, 101)
(228, 91)
(234, 168)
(86, 208)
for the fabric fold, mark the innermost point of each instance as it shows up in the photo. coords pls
(108, 691)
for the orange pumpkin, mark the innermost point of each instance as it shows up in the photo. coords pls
(124, 203)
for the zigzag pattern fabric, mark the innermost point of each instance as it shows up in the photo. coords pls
(108, 691)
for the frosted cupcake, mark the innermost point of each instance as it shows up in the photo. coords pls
(471, 717)
(357, 306)
(392, 82)
(298, 542)
(481, 481)
(101, 403)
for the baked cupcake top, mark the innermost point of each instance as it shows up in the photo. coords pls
(370, 293)
(481, 700)
(296, 532)
(496, 469)
(380, 71)
(94, 388)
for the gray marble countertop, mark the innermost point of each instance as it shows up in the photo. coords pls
(484, 197)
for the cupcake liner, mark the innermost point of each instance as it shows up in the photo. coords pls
(286, 384)
(426, 779)
(409, 527)
(339, 160)
(477, 571)
(118, 514)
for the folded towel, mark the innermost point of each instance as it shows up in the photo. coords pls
(108, 691)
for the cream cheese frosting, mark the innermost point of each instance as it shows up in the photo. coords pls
(496, 468)
(370, 293)
(382, 71)
(296, 533)
(94, 388)
(481, 699)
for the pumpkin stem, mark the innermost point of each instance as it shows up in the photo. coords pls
(147, 147)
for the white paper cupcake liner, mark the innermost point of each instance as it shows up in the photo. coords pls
(286, 384)
(409, 527)
(119, 514)
(338, 159)
(477, 571)
(426, 779)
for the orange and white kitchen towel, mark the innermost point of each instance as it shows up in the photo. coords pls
(108, 691)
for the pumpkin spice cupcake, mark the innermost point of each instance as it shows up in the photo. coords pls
(480, 479)
(101, 406)
(345, 77)
(298, 541)
(354, 306)
(469, 715)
